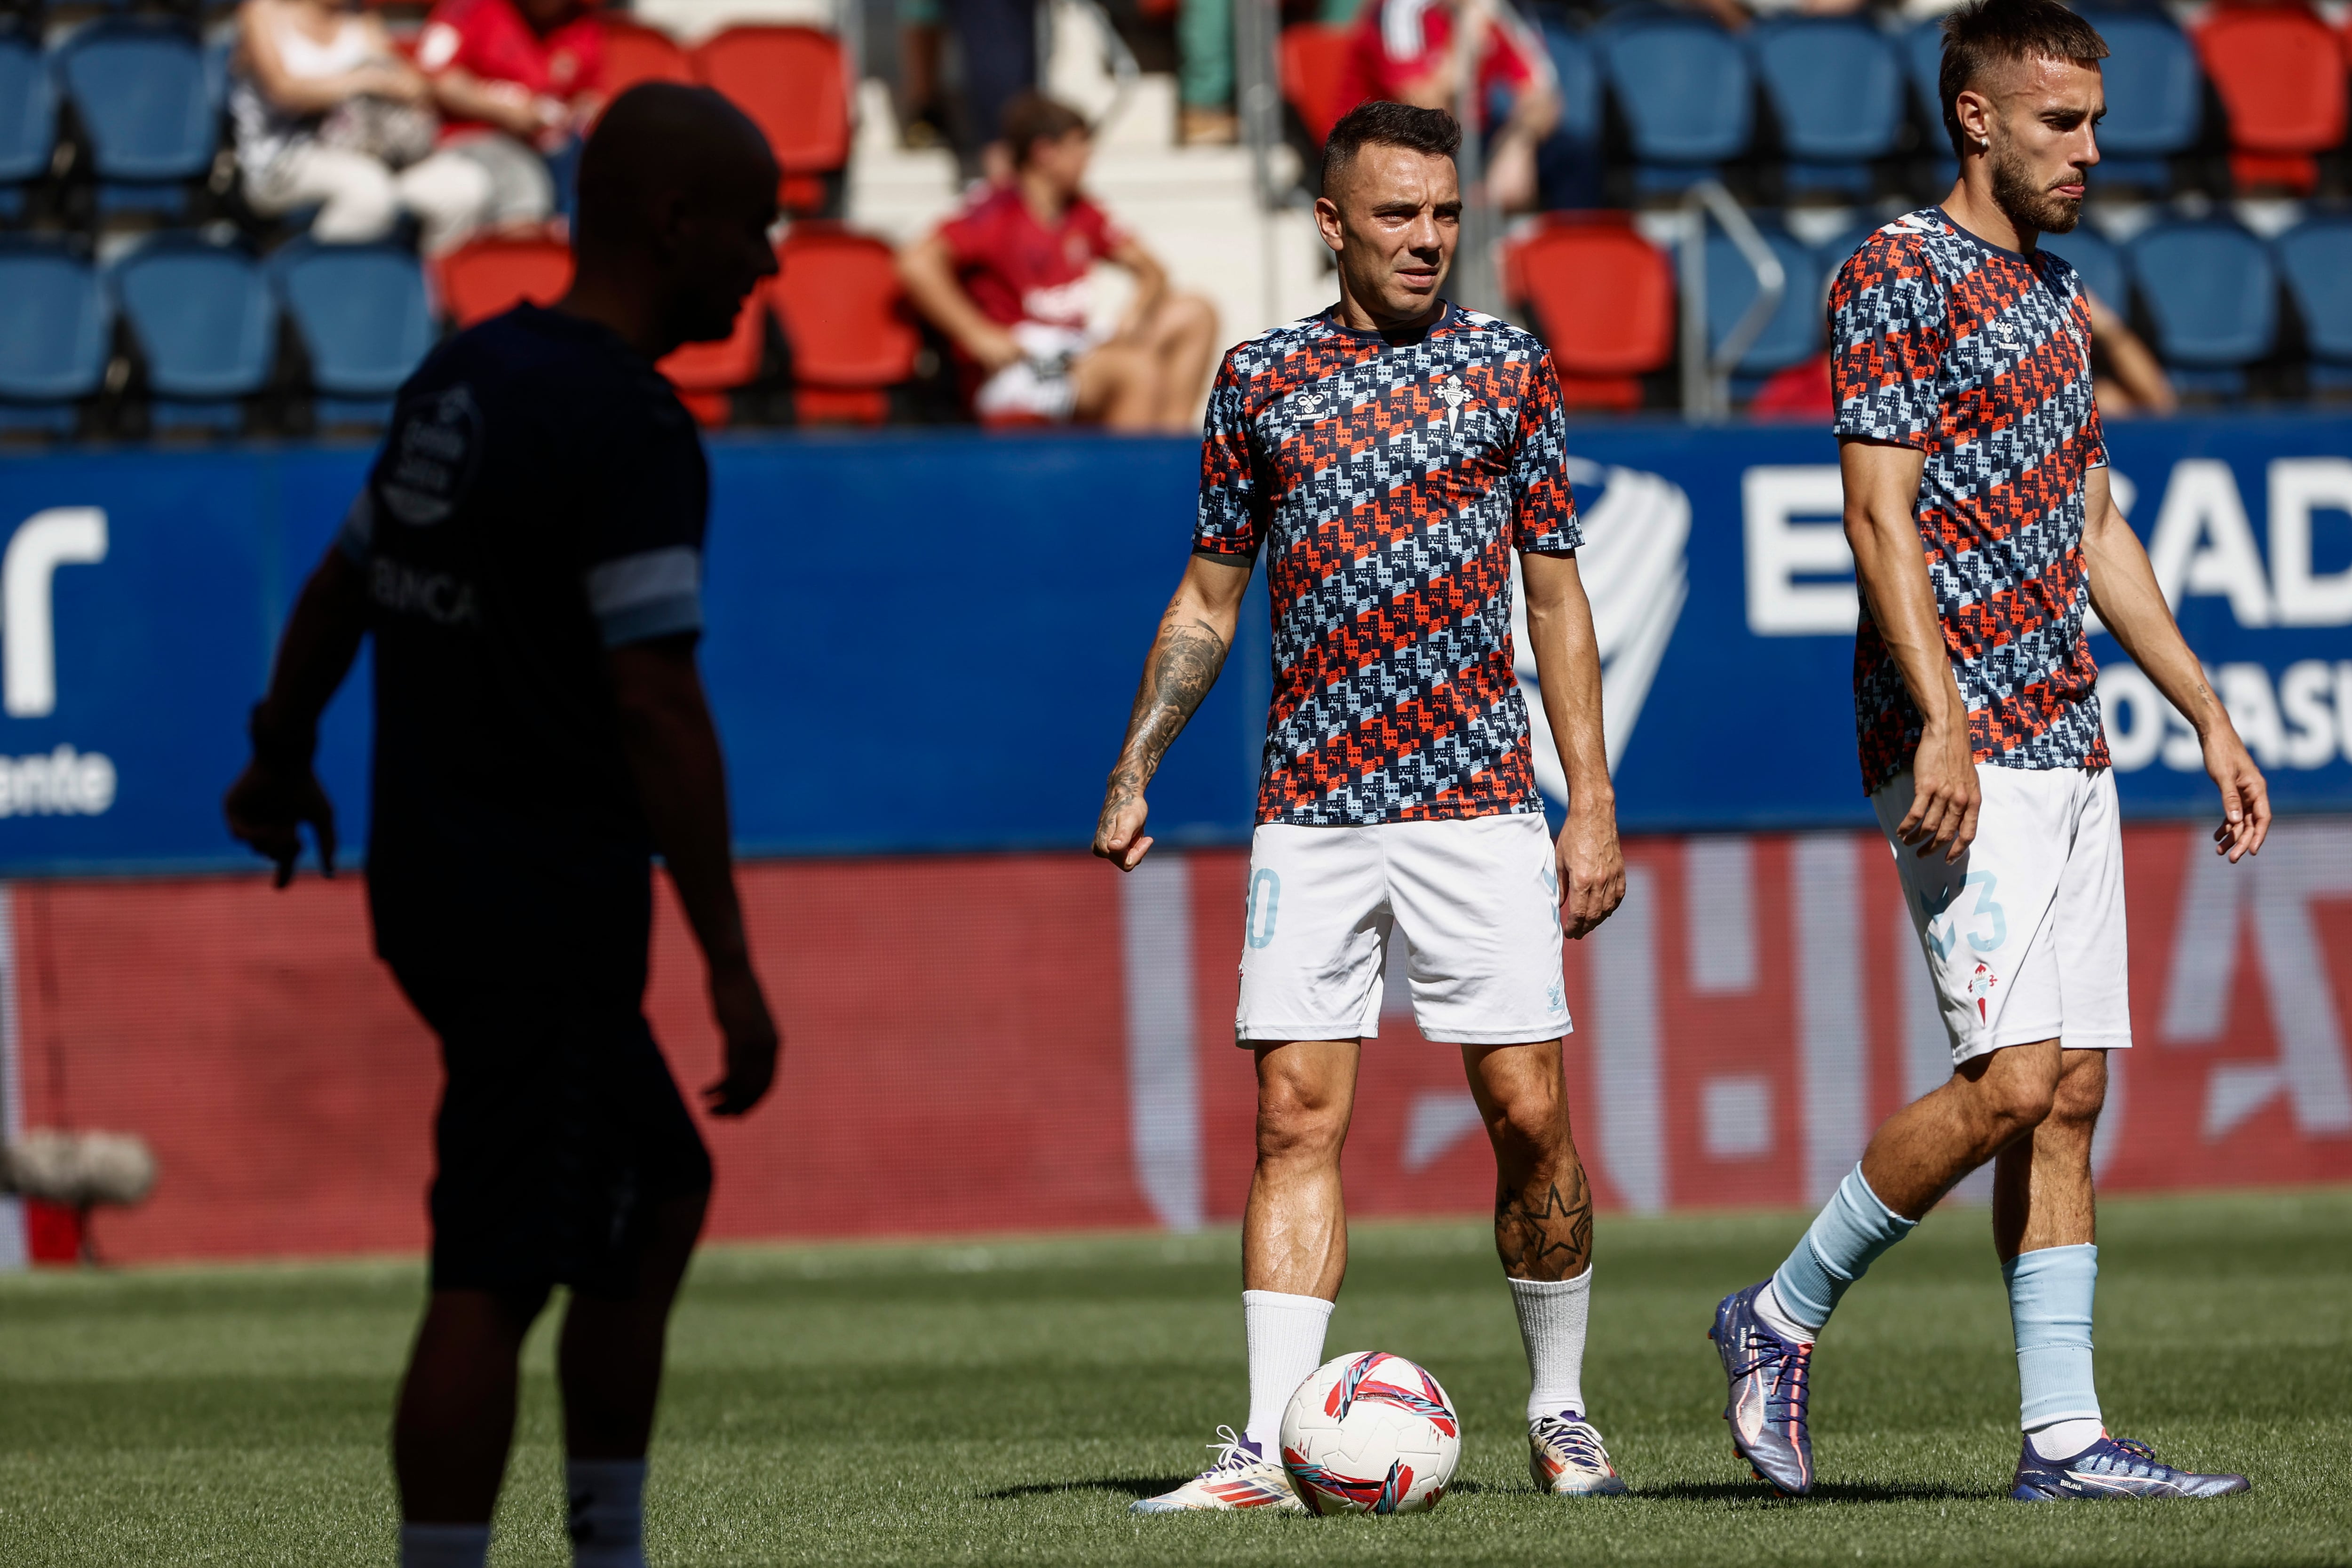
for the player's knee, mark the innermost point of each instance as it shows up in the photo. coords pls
(2020, 1101)
(1296, 1123)
(2081, 1092)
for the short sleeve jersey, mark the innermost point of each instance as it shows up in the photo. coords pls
(491, 39)
(541, 497)
(1017, 269)
(1386, 484)
(1981, 358)
(1400, 42)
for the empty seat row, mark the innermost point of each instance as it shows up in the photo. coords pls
(1686, 90)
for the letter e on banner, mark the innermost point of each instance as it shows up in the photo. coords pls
(1782, 550)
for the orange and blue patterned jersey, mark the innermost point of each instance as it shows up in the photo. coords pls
(1387, 485)
(1981, 358)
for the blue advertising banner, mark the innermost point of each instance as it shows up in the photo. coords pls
(929, 641)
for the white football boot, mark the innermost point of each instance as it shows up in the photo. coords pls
(1565, 1458)
(1243, 1478)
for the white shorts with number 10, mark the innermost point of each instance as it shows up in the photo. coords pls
(1477, 902)
(2025, 934)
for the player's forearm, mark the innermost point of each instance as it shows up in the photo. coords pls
(1185, 659)
(314, 653)
(1891, 572)
(681, 778)
(2131, 606)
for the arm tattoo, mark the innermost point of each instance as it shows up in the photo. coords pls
(1183, 666)
(1548, 1237)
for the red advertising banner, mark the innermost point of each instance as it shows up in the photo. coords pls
(1023, 1043)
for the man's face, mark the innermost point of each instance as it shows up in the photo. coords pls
(1393, 222)
(2041, 123)
(717, 248)
(1060, 160)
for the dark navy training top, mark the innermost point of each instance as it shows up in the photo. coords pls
(541, 497)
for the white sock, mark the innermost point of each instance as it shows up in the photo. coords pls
(444, 1545)
(2064, 1440)
(1775, 1318)
(608, 1520)
(1285, 1344)
(1552, 1315)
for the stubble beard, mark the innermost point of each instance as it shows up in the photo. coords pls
(2025, 202)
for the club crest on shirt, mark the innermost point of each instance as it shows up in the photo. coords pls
(1451, 392)
(431, 457)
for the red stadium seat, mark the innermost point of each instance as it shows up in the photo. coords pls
(1604, 299)
(704, 373)
(2280, 72)
(634, 53)
(792, 81)
(838, 299)
(496, 272)
(1315, 74)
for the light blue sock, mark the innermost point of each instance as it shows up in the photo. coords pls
(1845, 1239)
(2050, 1296)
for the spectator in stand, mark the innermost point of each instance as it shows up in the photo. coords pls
(518, 81)
(327, 114)
(2126, 376)
(1417, 51)
(1006, 279)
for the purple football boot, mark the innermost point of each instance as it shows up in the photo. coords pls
(2110, 1467)
(1769, 1381)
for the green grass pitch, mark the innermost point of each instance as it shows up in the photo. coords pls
(1002, 1402)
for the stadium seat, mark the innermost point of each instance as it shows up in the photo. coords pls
(362, 315)
(793, 82)
(2315, 258)
(496, 272)
(1573, 60)
(2156, 99)
(704, 373)
(2213, 294)
(1830, 138)
(1315, 74)
(1603, 297)
(145, 101)
(29, 121)
(634, 53)
(1922, 58)
(842, 311)
(1794, 332)
(206, 325)
(54, 332)
(2280, 73)
(2099, 265)
(1684, 88)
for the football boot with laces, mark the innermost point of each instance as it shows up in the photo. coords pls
(2113, 1467)
(1242, 1478)
(1565, 1458)
(1769, 1380)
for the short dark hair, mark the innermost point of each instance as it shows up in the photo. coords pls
(1032, 117)
(1984, 33)
(1384, 124)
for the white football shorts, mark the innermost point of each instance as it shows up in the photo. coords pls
(1476, 901)
(2024, 934)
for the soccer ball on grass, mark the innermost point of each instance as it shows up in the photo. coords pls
(1371, 1433)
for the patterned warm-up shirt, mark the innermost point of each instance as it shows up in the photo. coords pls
(1981, 358)
(1388, 484)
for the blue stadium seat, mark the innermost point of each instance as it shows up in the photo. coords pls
(363, 314)
(1923, 58)
(2156, 99)
(1795, 330)
(1831, 134)
(28, 120)
(1687, 96)
(2213, 293)
(54, 332)
(1569, 163)
(2099, 264)
(205, 321)
(146, 101)
(2317, 259)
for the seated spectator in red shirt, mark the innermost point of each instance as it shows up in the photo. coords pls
(1006, 280)
(1415, 51)
(515, 79)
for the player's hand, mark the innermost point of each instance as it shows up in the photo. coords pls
(1945, 795)
(265, 808)
(751, 1046)
(2245, 797)
(1118, 833)
(1592, 872)
(995, 348)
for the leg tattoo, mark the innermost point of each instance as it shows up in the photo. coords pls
(1546, 1235)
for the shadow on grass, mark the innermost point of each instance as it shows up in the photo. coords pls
(1834, 1492)
(1137, 1486)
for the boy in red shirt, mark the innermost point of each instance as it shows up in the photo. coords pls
(1414, 51)
(1006, 280)
(515, 80)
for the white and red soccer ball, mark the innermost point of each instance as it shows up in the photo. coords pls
(1371, 1433)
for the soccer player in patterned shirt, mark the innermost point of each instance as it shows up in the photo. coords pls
(1386, 457)
(1984, 529)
